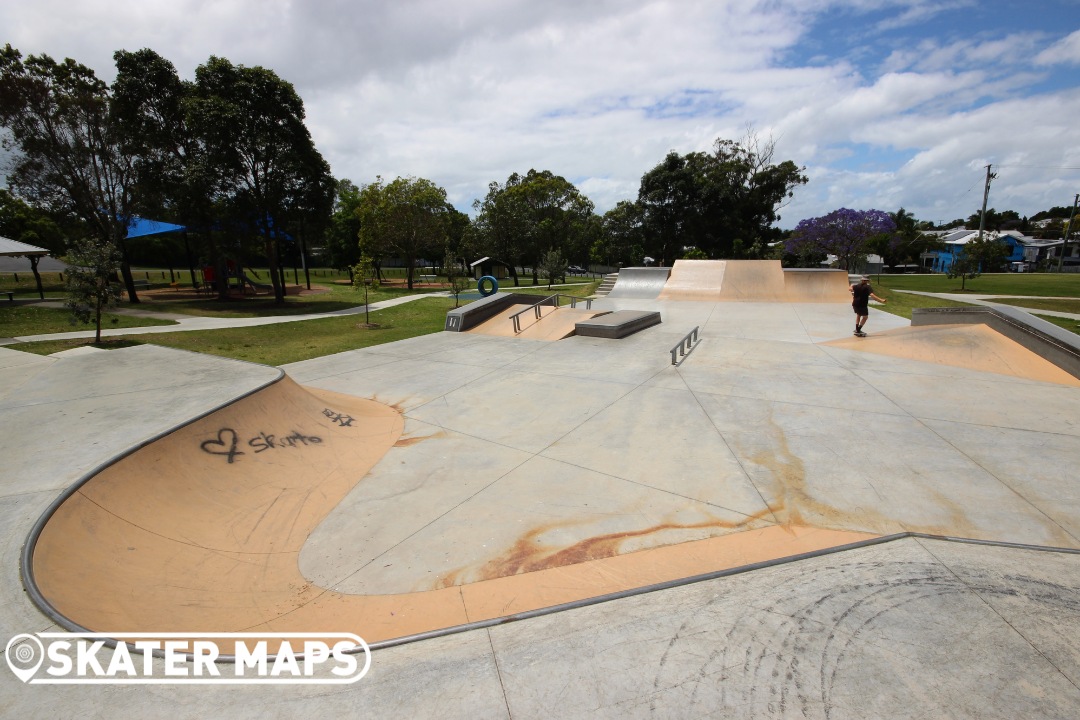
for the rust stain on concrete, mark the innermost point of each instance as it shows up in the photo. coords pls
(793, 504)
(529, 554)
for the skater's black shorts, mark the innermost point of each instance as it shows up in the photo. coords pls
(861, 309)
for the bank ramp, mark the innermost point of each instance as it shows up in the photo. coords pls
(726, 281)
(752, 281)
(640, 283)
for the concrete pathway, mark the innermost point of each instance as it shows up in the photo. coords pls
(989, 300)
(523, 449)
(186, 323)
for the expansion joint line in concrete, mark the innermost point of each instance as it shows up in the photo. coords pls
(749, 477)
(464, 500)
(1004, 484)
(430, 523)
(586, 602)
(498, 671)
(922, 422)
(1005, 620)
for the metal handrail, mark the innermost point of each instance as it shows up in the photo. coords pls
(553, 300)
(685, 345)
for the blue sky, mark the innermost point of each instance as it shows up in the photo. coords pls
(887, 103)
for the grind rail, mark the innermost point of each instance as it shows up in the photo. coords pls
(552, 300)
(685, 345)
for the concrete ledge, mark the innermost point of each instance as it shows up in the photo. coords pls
(1059, 346)
(469, 316)
(618, 324)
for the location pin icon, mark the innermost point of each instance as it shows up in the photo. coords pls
(24, 655)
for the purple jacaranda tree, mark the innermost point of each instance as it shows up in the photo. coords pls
(844, 233)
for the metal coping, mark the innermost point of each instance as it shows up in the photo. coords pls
(26, 564)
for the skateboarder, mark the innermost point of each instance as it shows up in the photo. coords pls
(860, 298)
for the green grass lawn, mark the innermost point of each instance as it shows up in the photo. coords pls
(334, 297)
(23, 284)
(1064, 323)
(1069, 306)
(902, 304)
(16, 320)
(1044, 284)
(288, 342)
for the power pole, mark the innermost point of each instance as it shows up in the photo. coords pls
(986, 194)
(1068, 229)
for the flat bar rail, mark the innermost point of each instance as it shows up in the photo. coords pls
(552, 300)
(685, 345)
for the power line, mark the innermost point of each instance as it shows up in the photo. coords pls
(1040, 167)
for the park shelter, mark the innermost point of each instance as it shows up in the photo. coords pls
(490, 266)
(14, 248)
(142, 227)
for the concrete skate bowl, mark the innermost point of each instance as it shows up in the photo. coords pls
(752, 281)
(200, 530)
(640, 283)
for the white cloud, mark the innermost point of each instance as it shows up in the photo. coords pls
(466, 93)
(1064, 52)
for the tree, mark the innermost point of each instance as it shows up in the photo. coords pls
(622, 237)
(407, 216)
(557, 216)
(175, 178)
(69, 146)
(308, 210)
(997, 221)
(455, 276)
(457, 230)
(342, 236)
(723, 203)
(500, 227)
(907, 244)
(976, 257)
(673, 205)
(251, 123)
(22, 222)
(965, 267)
(553, 265)
(364, 277)
(844, 233)
(90, 286)
(521, 220)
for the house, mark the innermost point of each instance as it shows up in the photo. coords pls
(1040, 252)
(870, 265)
(955, 240)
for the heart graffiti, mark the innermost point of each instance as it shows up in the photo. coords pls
(225, 444)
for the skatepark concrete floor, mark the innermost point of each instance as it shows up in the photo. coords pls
(517, 474)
